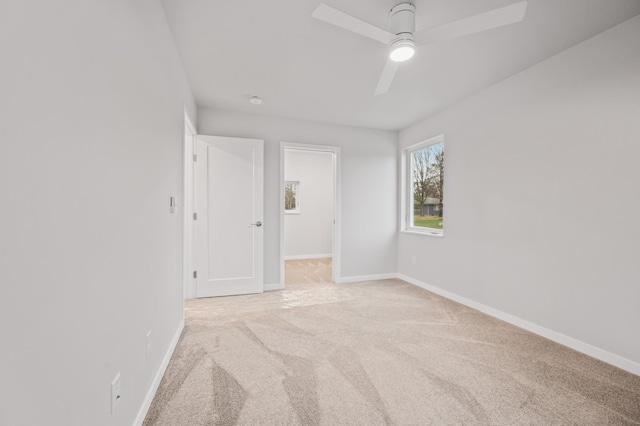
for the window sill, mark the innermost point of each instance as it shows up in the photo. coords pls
(426, 234)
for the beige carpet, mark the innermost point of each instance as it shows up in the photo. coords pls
(377, 353)
(307, 271)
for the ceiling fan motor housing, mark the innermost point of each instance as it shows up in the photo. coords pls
(402, 19)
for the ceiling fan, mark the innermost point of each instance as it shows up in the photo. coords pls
(402, 37)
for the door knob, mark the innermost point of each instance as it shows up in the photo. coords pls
(258, 224)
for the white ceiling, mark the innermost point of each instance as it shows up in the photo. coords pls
(311, 70)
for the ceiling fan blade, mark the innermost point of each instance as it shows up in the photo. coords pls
(474, 24)
(340, 19)
(386, 77)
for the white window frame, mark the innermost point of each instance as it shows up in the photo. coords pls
(407, 207)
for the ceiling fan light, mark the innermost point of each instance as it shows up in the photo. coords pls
(402, 53)
(402, 50)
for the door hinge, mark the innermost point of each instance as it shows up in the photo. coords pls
(195, 157)
(195, 216)
(195, 274)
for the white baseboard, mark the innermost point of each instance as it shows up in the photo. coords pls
(345, 280)
(273, 287)
(585, 348)
(142, 413)
(308, 256)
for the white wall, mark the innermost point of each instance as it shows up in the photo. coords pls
(542, 213)
(369, 173)
(90, 152)
(309, 233)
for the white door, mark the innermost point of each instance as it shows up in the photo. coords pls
(229, 206)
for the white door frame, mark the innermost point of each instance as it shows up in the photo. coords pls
(188, 282)
(335, 247)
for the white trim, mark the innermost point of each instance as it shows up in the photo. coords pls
(337, 232)
(362, 278)
(336, 245)
(308, 256)
(411, 231)
(432, 232)
(188, 282)
(585, 348)
(273, 287)
(151, 393)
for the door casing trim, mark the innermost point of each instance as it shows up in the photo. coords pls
(188, 282)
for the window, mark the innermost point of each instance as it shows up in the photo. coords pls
(425, 184)
(292, 197)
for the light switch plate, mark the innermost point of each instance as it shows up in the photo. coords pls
(148, 343)
(115, 393)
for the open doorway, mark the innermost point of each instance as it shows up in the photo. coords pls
(309, 220)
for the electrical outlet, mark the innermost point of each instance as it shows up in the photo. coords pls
(115, 393)
(148, 342)
(413, 260)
